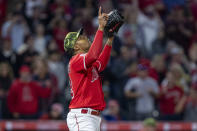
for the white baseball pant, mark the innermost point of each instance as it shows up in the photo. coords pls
(77, 121)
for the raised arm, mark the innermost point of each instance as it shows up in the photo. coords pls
(103, 59)
(96, 46)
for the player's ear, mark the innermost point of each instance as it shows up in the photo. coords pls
(76, 47)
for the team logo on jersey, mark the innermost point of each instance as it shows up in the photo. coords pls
(95, 74)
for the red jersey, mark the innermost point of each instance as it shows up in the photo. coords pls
(85, 82)
(169, 100)
(23, 97)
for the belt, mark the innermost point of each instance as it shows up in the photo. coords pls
(86, 111)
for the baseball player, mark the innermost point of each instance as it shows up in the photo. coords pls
(87, 61)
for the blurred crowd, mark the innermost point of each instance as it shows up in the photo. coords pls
(152, 71)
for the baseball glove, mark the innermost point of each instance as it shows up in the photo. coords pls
(115, 21)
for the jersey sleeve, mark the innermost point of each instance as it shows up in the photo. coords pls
(103, 59)
(81, 62)
(95, 49)
(78, 63)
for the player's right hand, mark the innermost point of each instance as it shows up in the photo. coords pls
(102, 19)
(110, 40)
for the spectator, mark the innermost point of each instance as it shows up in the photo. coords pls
(120, 70)
(159, 67)
(129, 29)
(42, 75)
(138, 25)
(159, 44)
(6, 77)
(145, 90)
(55, 113)
(52, 46)
(112, 113)
(30, 6)
(170, 94)
(146, 19)
(37, 18)
(59, 32)
(130, 43)
(26, 52)
(87, 16)
(177, 55)
(16, 29)
(57, 67)
(181, 78)
(151, 71)
(178, 22)
(62, 5)
(8, 55)
(188, 104)
(24, 94)
(40, 40)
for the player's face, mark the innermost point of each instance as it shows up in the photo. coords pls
(83, 44)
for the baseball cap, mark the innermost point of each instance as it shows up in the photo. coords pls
(142, 67)
(144, 61)
(71, 38)
(149, 122)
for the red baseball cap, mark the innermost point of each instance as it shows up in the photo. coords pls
(24, 68)
(145, 62)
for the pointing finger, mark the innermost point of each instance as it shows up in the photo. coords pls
(100, 11)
